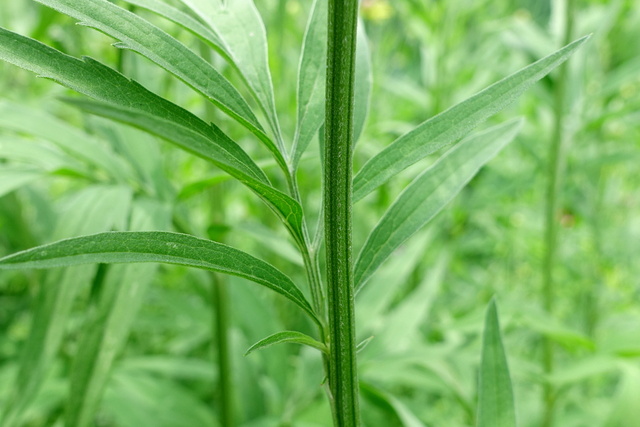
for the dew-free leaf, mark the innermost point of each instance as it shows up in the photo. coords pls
(451, 125)
(164, 247)
(429, 193)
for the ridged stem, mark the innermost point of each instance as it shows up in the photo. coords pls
(554, 174)
(342, 375)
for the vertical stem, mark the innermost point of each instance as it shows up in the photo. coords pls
(343, 379)
(555, 166)
(221, 301)
(225, 387)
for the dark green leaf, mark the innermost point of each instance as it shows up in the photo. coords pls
(139, 35)
(171, 248)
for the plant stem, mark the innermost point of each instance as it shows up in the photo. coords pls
(554, 174)
(225, 387)
(342, 375)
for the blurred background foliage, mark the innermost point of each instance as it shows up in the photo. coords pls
(64, 174)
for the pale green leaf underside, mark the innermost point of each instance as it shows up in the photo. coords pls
(139, 35)
(127, 101)
(239, 27)
(292, 337)
(164, 247)
(495, 400)
(311, 81)
(451, 125)
(428, 194)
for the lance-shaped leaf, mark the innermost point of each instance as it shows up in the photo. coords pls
(495, 394)
(311, 81)
(165, 247)
(125, 100)
(451, 125)
(429, 193)
(106, 328)
(20, 118)
(141, 36)
(91, 210)
(238, 25)
(292, 337)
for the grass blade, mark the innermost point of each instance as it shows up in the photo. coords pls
(428, 194)
(449, 126)
(139, 35)
(125, 100)
(244, 38)
(165, 247)
(495, 401)
(293, 337)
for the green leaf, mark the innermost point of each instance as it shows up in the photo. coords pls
(91, 210)
(239, 27)
(139, 35)
(14, 177)
(171, 248)
(363, 82)
(287, 337)
(106, 329)
(311, 80)
(75, 142)
(451, 125)
(495, 400)
(185, 21)
(429, 193)
(127, 101)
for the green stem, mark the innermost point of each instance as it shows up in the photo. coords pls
(225, 387)
(555, 167)
(342, 375)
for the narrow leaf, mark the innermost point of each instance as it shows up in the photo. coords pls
(363, 81)
(429, 193)
(287, 337)
(20, 118)
(165, 247)
(451, 125)
(91, 210)
(107, 327)
(495, 401)
(311, 80)
(239, 26)
(127, 101)
(14, 177)
(141, 36)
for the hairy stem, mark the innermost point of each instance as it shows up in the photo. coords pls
(343, 378)
(554, 174)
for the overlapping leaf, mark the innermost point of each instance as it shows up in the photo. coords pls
(428, 194)
(165, 247)
(311, 81)
(453, 124)
(141, 36)
(125, 100)
(239, 27)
